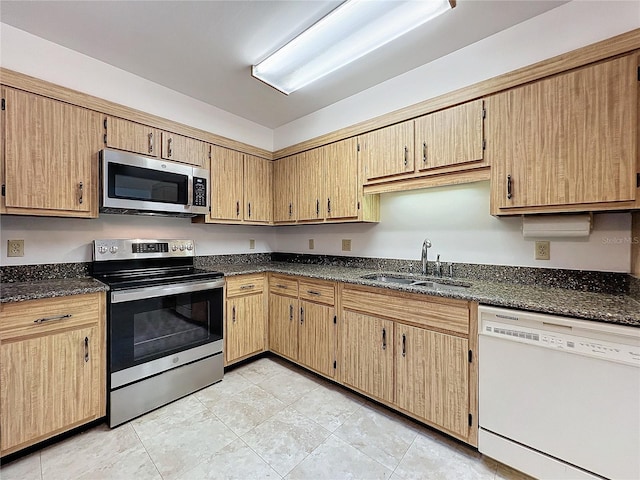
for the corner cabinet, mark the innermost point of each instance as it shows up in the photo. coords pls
(52, 367)
(50, 157)
(412, 352)
(566, 143)
(245, 317)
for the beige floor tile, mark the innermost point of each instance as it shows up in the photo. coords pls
(335, 459)
(329, 406)
(288, 386)
(384, 438)
(261, 369)
(248, 409)
(87, 451)
(285, 439)
(134, 464)
(503, 472)
(176, 444)
(236, 461)
(428, 458)
(181, 408)
(231, 384)
(26, 468)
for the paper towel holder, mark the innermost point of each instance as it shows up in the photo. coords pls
(557, 226)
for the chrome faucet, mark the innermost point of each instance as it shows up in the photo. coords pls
(425, 249)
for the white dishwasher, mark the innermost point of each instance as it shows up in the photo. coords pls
(559, 398)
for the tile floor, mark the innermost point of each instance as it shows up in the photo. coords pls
(266, 419)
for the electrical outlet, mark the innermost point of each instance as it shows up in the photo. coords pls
(346, 244)
(312, 244)
(543, 250)
(252, 244)
(15, 248)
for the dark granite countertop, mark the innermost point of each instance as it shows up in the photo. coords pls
(60, 287)
(620, 309)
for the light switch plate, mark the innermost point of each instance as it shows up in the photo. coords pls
(252, 244)
(312, 244)
(15, 248)
(346, 244)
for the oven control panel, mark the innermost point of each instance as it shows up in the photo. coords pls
(120, 249)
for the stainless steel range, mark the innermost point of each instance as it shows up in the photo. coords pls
(164, 321)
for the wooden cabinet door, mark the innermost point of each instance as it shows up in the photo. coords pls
(227, 178)
(245, 326)
(317, 337)
(387, 151)
(283, 325)
(285, 188)
(258, 193)
(131, 136)
(567, 140)
(311, 176)
(50, 383)
(366, 355)
(450, 137)
(179, 148)
(51, 156)
(432, 377)
(343, 179)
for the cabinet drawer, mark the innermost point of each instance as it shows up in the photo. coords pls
(245, 285)
(33, 317)
(432, 312)
(316, 291)
(283, 285)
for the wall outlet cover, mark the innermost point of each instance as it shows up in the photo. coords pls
(312, 244)
(543, 250)
(346, 244)
(252, 244)
(15, 248)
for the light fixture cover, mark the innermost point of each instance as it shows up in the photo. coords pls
(349, 32)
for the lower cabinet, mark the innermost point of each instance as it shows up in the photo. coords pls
(245, 317)
(52, 367)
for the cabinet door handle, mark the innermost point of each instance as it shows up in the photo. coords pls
(48, 319)
(301, 315)
(290, 313)
(249, 209)
(247, 287)
(404, 345)
(170, 150)
(328, 205)
(233, 314)
(384, 338)
(406, 155)
(424, 152)
(81, 192)
(86, 349)
(313, 292)
(237, 208)
(509, 194)
(290, 210)
(150, 142)
(317, 206)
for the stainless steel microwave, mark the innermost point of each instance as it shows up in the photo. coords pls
(134, 184)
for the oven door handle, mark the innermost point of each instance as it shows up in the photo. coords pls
(163, 290)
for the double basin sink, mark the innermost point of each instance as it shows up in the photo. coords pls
(416, 282)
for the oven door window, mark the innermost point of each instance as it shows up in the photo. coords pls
(144, 330)
(136, 183)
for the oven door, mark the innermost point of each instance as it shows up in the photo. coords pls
(133, 182)
(154, 329)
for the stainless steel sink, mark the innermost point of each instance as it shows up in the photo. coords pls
(402, 280)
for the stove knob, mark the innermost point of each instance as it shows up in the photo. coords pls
(102, 249)
(113, 249)
(189, 246)
(174, 247)
(182, 247)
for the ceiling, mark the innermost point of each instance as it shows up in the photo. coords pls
(205, 49)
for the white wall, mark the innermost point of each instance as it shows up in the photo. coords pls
(25, 53)
(570, 26)
(457, 221)
(62, 240)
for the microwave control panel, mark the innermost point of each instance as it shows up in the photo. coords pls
(199, 192)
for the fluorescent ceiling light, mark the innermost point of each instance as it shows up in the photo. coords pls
(349, 32)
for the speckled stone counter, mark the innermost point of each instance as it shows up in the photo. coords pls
(61, 287)
(620, 309)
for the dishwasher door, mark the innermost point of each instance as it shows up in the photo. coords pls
(559, 398)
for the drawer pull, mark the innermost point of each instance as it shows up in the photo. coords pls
(247, 287)
(86, 349)
(313, 292)
(48, 319)
(279, 285)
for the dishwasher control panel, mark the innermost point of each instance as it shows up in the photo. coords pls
(610, 342)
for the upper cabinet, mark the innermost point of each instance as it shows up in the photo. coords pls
(50, 156)
(387, 152)
(566, 143)
(241, 188)
(345, 199)
(312, 203)
(179, 148)
(131, 136)
(285, 188)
